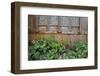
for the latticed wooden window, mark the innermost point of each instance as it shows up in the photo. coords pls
(42, 22)
(54, 24)
(47, 24)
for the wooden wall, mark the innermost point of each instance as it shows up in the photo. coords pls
(59, 36)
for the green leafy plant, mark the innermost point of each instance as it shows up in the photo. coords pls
(45, 49)
(78, 50)
(49, 48)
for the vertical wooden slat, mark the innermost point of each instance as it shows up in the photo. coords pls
(59, 24)
(37, 23)
(84, 25)
(48, 23)
(32, 23)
